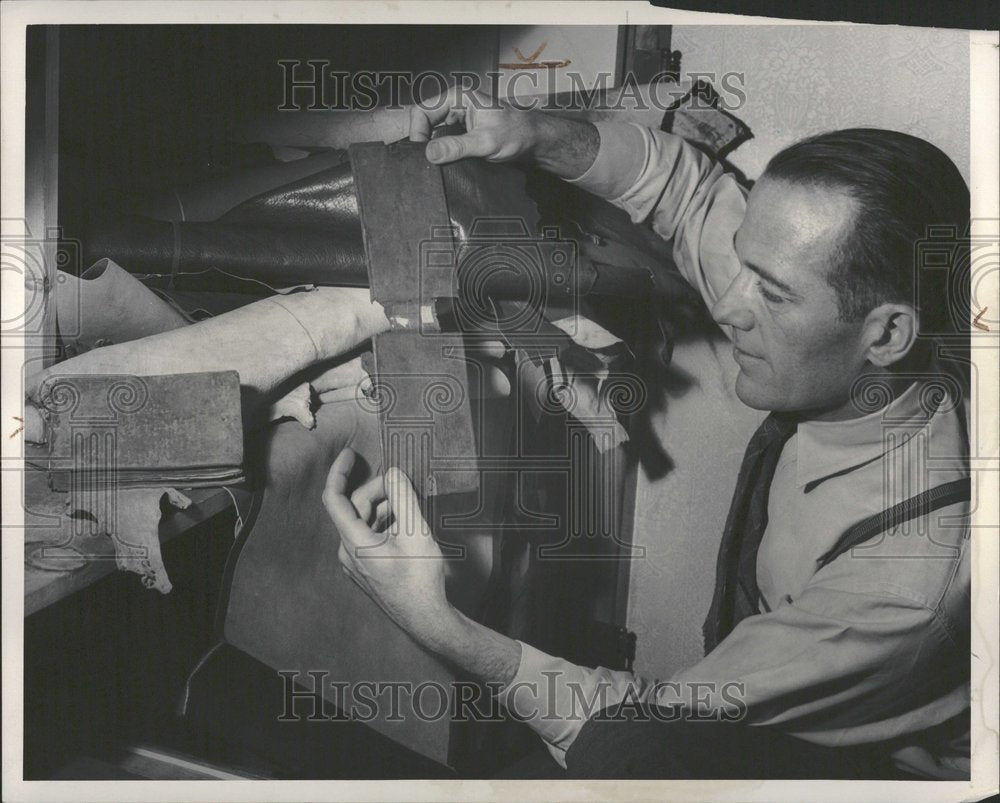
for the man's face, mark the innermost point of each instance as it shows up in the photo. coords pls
(793, 353)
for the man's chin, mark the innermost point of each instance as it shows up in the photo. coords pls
(754, 395)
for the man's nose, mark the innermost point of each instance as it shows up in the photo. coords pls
(732, 308)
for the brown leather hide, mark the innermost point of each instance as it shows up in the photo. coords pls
(292, 607)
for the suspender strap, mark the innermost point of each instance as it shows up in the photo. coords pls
(920, 505)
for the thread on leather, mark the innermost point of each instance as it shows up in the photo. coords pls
(305, 329)
(180, 205)
(175, 256)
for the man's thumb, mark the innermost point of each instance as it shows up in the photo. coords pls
(450, 149)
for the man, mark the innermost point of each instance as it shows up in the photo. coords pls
(822, 660)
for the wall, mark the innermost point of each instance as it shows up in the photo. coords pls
(590, 51)
(799, 80)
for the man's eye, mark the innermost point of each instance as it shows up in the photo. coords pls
(768, 295)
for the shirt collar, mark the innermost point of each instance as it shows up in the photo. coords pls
(828, 448)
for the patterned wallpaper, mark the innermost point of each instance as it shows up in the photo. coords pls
(803, 79)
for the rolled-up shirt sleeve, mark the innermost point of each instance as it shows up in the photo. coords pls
(686, 196)
(839, 666)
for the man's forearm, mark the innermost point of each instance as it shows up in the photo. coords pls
(499, 133)
(564, 147)
(485, 654)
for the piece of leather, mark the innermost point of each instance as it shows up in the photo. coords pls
(64, 532)
(324, 199)
(210, 200)
(297, 404)
(266, 342)
(306, 231)
(276, 257)
(196, 305)
(107, 305)
(291, 606)
(137, 536)
(339, 374)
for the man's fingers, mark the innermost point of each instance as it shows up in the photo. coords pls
(368, 496)
(427, 114)
(480, 142)
(404, 503)
(342, 511)
(420, 125)
(336, 480)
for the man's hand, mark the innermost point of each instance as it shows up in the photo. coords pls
(499, 133)
(494, 131)
(387, 548)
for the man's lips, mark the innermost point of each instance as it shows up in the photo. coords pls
(739, 354)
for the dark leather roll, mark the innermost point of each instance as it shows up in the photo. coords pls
(306, 232)
(276, 257)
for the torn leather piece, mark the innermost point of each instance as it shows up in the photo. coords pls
(136, 537)
(346, 374)
(421, 377)
(63, 532)
(297, 404)
(584, 377)
(587, 333)
(584, 396)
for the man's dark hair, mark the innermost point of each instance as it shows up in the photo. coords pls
(902, 185)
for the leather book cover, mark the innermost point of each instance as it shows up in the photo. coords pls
(123, 430)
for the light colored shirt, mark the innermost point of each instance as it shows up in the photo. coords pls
(874, 646)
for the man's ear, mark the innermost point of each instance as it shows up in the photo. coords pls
(890, 331)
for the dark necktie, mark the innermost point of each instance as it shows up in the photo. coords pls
(736, 593)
